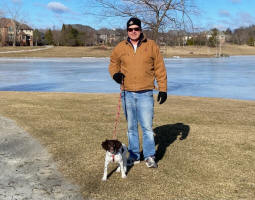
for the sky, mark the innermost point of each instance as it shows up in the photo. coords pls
(219, 14)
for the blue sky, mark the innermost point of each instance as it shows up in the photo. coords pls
(53, 13)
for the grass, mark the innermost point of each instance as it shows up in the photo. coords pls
(204, 51)
(60, 51)
(11, 48)
(77, 52)
(215, 160)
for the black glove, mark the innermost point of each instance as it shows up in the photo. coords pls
(118, 77)
(162, 96)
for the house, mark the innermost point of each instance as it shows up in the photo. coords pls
(221, 37)
(12, 31)
(107, 36)
(185, 38)
(208, 35)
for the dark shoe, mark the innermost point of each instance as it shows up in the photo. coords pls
(132, 161)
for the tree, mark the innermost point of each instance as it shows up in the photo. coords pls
(156, 15)
(16, 15)
(251, 41)
(49, 37)
(2, 13)
(241, 35)
(212, 42)
(228, 31)
(86, 35)
(37, 37)
(56, 36)
(69, 36)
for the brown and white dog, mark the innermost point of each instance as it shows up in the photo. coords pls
(115, 153)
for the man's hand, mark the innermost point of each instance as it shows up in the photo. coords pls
(162, 96)
(118, 77)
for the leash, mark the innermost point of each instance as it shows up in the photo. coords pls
(117, 120)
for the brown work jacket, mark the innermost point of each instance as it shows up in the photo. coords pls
(141, 67)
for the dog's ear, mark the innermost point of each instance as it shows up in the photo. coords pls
(118, 144)
(105, 145)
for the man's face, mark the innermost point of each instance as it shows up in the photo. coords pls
(134, 32)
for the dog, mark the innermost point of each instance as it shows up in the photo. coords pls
(116, 153)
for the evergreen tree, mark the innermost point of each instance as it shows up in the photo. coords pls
(70, 36)
(49, 37)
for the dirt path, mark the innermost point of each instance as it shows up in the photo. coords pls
(27, 170)
(27, 50)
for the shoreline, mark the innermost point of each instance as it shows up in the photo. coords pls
(101, 52)
(117, 93)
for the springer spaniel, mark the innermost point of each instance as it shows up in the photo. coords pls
(116, 153)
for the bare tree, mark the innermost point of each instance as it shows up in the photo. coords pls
(2, 13)
(56, 35)
(156, 15)
(16, 15)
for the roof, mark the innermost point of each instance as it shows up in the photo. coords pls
(25, 27)
(5, 21)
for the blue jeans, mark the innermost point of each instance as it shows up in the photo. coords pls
(139, 108)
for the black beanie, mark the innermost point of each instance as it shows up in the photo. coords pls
(134, 21)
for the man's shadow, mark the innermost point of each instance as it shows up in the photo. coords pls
(165, 135)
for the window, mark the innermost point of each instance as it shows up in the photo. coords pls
(10, 29)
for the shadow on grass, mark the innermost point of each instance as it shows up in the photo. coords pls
(110, 174)
(165, 135)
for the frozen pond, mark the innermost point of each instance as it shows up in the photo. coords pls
(232, 77)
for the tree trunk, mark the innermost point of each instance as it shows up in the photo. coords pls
(14, 33)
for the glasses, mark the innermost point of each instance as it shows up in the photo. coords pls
(133, 29)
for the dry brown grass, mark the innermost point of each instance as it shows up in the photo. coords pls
(215, 161)
(203, 51)
(11, 48)
(62, 52)
(187, 51)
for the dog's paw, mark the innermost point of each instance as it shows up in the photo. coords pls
(104, 179)
(124, 176)
(118, 169)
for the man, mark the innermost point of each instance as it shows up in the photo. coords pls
(135, 63)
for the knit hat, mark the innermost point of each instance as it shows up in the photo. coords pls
(134, 21)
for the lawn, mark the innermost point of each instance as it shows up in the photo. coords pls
(205, 146)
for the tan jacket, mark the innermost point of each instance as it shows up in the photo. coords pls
(141, 67)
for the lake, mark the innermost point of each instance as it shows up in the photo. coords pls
(230, 77)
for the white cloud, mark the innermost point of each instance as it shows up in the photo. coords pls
(17, 1)
(241, 19)
(57, 7)
(235, 1)
(224, 13)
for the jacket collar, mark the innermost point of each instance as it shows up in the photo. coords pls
(141, 39)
